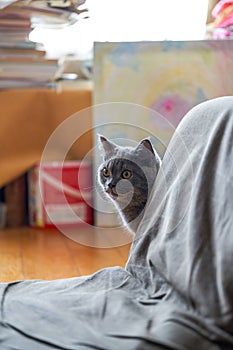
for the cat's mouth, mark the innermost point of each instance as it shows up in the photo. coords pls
(112, 193)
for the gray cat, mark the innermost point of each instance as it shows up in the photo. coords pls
(127, 175)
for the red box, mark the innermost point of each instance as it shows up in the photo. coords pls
(60, 194)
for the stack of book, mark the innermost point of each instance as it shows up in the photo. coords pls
(23, 63)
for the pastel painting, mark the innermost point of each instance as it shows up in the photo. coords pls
(152, 85)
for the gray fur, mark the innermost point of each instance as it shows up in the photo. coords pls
(128, 195)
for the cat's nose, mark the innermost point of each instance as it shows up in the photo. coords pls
(111, 185)
(111, 189)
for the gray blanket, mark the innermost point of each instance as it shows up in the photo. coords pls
(176, 291)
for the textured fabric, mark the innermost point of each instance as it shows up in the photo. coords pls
(176, 291)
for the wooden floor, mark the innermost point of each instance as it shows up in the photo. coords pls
(27, 253)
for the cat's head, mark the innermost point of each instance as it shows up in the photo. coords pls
(128, 173)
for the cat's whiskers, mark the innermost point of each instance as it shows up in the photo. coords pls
(88, 188)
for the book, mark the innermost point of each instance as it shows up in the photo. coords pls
(40, 13)
(23, 62)
(18, 53)
(11, 35)
(25, 83)
(5, 3)
(29, 68)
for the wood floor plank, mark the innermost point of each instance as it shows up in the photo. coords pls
(124, 252)
(89, 259)
(45, 255)
(27, 253)
(11, 264)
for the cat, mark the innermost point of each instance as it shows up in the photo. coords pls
(127, 175)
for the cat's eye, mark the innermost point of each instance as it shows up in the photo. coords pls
(126, 174)
(106, 172)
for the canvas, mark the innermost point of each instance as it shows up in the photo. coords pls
(145, 88)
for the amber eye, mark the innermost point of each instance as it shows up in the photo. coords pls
(126, 174)
(106, 172)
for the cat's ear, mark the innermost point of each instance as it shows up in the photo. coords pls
(107, 146)
(147, 144)
(143, 147)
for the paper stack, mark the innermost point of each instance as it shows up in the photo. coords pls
(23, 63)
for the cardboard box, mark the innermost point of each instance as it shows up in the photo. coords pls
(15, 198)
(60, 195)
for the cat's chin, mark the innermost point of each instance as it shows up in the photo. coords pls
(118, 198)
(113, 195)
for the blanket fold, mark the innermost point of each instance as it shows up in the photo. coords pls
(176, 291)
